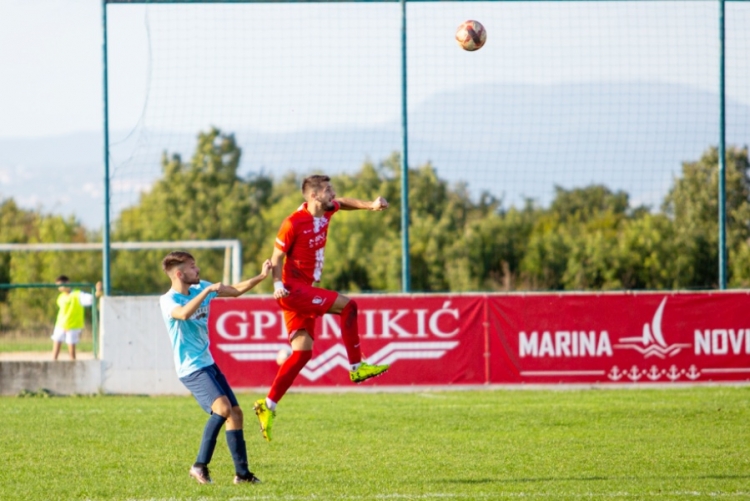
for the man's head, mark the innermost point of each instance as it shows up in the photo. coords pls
(62, 282)
(180, 265)
(318, 188)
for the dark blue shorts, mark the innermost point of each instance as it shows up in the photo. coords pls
(208, 384)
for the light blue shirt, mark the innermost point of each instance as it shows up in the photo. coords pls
(189, 337)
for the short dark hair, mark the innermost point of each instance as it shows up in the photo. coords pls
(314, 182)
(175, 258)
(62, 278)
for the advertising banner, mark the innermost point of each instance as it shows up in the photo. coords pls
(620, 338)
(428, 340)
(634, 338)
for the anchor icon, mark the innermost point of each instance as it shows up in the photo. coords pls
(634, 374)
(674, 373)
(653, 373)
(693, 373)
(615, 374)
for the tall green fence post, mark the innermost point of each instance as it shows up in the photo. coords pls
(105, 91)
(722, 157)
(405, 268)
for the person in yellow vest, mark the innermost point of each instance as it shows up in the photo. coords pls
(70, 318)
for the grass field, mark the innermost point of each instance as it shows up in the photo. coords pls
(39, 340)
(684, 443)
(39, 344)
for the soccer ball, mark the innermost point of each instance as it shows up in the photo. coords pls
(282, 355)
(471, 35)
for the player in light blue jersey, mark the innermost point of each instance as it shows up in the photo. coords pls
(185, 311)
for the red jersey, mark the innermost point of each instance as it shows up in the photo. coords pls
(303, 238)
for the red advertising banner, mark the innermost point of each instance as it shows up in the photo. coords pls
(571, 338)
(620, 338)
(428, 340)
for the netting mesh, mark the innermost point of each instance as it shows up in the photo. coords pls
(302, 87)
(564, 93)
(569, 94)
(737, 72)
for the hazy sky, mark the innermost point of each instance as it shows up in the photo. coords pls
(51, 56)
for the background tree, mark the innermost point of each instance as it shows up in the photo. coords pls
(589, 238)
(692, 204)
(35, 309)
(204, 199)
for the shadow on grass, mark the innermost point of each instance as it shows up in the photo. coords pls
(479, 481)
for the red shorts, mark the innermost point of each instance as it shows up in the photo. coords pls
(303, 305)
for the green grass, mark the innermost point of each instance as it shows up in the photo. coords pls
(592, 444)
(39, 344)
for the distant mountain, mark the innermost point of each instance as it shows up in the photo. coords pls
(60, 174)
(514, 141)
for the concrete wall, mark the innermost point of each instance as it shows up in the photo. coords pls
(135, 357)
(62, 377)
(135, 350)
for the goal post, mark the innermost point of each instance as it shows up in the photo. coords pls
(232, 250)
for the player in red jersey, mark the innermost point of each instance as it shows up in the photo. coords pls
(297, 262)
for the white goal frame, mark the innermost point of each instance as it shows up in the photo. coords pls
(232, 250)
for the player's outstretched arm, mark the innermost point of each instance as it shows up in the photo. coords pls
(240, 288)
(186, 311)
(378, 204)
(277, 263)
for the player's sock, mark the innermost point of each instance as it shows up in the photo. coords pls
(208, 444)
(270, 404)
(287, 372)
(350, 333)
(236, 444)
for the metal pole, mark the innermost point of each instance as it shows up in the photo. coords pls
(722, 157)
(236, 262)
(105, 231)
(227, 276)
(405, 268)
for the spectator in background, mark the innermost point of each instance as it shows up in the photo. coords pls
(70, 317)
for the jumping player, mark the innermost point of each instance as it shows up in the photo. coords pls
(297, 262)
(185, 311)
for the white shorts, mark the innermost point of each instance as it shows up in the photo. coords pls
(70, 337)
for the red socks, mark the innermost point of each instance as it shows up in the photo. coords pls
(350, 332)
(287, 372)
(297, 360)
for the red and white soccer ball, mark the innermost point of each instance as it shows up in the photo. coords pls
(471, 35)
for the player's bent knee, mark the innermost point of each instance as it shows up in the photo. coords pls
(340, 303)
(222, 407)
(302, 341)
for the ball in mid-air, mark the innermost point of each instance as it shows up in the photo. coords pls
(282, 355)
(471, 35)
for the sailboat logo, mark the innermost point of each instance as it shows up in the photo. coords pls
(651, 343)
